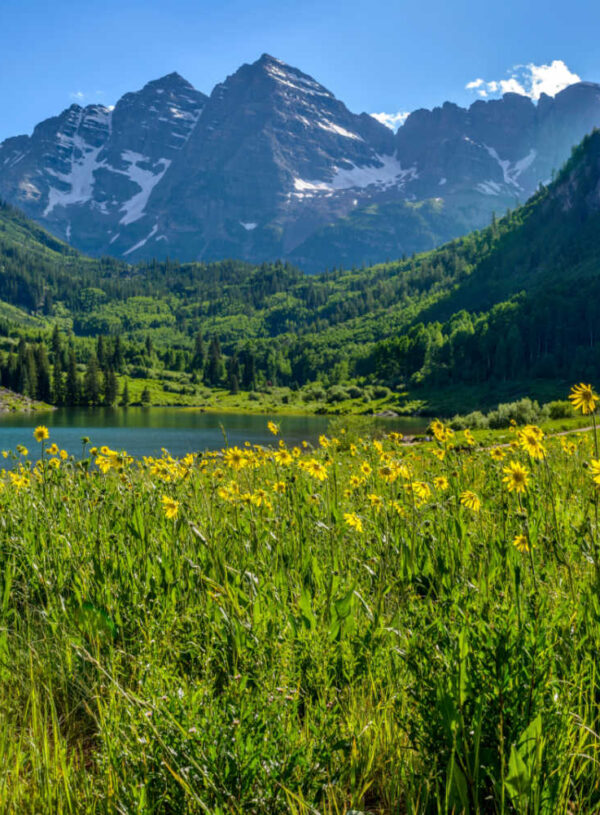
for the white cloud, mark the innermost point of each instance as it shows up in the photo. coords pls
(391, 120)
(78, 95)
(528, 80)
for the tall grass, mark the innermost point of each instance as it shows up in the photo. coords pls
(303, 631)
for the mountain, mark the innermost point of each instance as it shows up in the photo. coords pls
(89, 172)
(272, 165)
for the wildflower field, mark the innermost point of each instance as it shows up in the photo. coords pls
(365, 626)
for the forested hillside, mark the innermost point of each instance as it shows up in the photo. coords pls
(517, 300)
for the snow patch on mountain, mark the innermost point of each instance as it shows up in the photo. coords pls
(295, 80)
(510, 171)
(143, 242)
(340, 131)
(388, 174)
(145, 179)
(80, 180)
(489, 187)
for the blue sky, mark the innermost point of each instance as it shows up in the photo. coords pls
(376, 55)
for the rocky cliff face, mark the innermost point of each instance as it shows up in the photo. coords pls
(273, 165)
(87, 175)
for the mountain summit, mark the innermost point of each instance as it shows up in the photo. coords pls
(273, 165)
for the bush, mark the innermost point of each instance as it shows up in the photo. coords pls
(560, 409)
(314, 394)
(474, 421)
(525, 411)
(354, 392)
(336, 394)
(381, 392)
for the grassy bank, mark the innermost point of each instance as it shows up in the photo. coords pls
(367, 627)
(11, 402)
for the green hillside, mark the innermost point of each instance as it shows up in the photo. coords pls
(512, 303)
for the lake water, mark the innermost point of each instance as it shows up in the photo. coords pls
(144, 431)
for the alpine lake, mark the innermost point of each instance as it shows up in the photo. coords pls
(146, 431)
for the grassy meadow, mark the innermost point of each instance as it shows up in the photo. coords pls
(363, 626)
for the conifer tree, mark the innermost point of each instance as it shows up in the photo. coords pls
(91, 382)
(72, 389)
(58, 387)
(43, 386)
(124, 400)
(111, 387)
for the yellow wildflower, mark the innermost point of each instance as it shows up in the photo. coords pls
(530, 439)
(516, 478)
(316, 469)
(261, 498)
(440, 431)
(441, 482)
(469, 438)
(170, 506)
(284, 457)
(366, 468)
(470, 500)
(521, 543)
(389, 473)
(274, 429)
(595, 470)
(376, 502)
(497, 453)
(236, 458)
(353, 521)
(41, 433)
(583, 398)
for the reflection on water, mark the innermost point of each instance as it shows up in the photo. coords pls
(145, 431)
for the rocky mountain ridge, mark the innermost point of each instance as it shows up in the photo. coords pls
(272, 165)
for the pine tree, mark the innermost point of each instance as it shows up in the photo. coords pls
(198, 358)
(101, 352)
(117, 356)
(72, 388)
(124, 400)
(249, 370)
(233, 374)
(214, 366)
(111, 387)
(43, 387)
(58, 387)
(145, 396)
(91, 382)
(56, 344)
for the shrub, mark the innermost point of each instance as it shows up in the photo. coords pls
(336, 394)
(354, 392)
(560, 409)
(525, 411)
(381, 392)
(474, 421)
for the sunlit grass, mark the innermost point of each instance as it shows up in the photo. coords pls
(365, 625)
